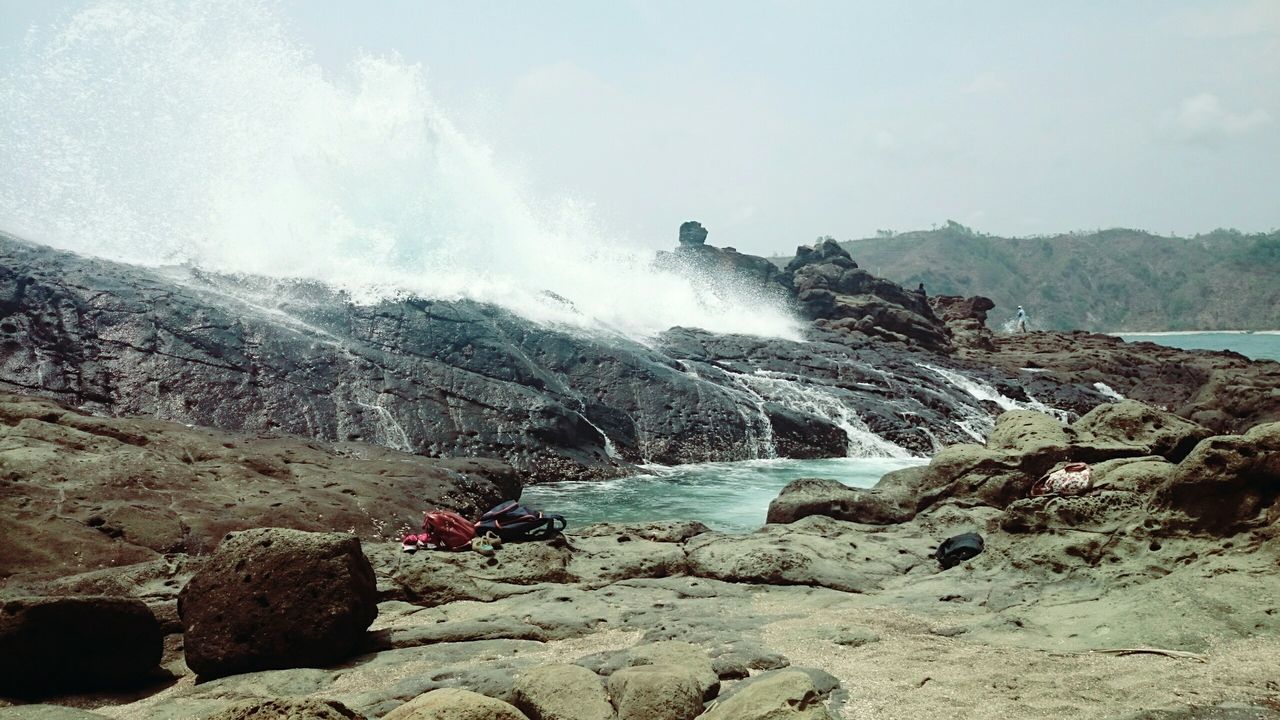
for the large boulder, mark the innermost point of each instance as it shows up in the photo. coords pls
(1148, 430)
(819, 496)
(782, 695)
(454, 704)
(1228, 481)
(562, 692)
(682, 654)
(1022, 447)
(1141, 475)
(975, 475)
(804, 436)
(1029, 431)
(1108, 511)
(68, 644)
(277, 598)
(656, 692)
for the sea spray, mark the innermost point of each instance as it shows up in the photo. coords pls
(165, 132)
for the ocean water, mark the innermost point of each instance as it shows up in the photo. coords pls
(729, 496)
(1263, 345)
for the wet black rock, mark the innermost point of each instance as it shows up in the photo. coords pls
(831, 289)
(692, 233)
(465, 379)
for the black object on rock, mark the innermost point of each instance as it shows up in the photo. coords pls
(957, 549)
(512, 521)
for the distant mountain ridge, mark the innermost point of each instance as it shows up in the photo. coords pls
(1105, 281)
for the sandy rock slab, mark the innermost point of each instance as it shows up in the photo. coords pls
(454, 704)
(562, 692)
(80, 493)
(288, 709)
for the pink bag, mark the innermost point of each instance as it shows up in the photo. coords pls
(448, 529)
(1072, 479)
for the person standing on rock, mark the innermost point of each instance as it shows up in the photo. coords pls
(1022, 319)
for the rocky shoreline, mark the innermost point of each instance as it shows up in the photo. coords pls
(234, 554)
(1153, 596)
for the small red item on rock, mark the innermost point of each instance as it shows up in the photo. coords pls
(449, 530)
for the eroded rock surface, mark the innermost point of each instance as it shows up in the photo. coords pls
(1022, 447)
(277, 598)
(833, 290)
(79, 492)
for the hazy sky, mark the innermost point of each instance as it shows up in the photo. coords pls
(776, 122)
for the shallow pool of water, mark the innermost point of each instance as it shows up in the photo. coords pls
(728, 496)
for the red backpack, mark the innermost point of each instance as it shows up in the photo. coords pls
(448, 529)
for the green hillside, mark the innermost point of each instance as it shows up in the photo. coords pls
(1108, 280)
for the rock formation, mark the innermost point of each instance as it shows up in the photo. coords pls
(70, 644)
(287, 709)
(277, 598)
(832, 290)
(445, 378)
(1223, 391)
(725, 272)
(664, 619)
(692, 233)
(967, 320)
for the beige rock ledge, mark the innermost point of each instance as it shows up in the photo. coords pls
(1179, 555)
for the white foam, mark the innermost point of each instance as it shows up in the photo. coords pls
(793, 392)
(976, 422)
(159, 131)
(1108, 391)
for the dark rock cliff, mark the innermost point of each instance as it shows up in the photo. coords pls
(455, 378)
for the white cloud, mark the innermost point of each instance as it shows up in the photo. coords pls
(560, 81)
(984, 83)
(1228, 20)
(885, 141)
(1202, 118)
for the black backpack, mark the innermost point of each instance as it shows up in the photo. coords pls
(957, 549)
(513, 521)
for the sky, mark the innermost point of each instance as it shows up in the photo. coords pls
(775, 122)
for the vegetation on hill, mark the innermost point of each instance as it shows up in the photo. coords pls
(1108, 280)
